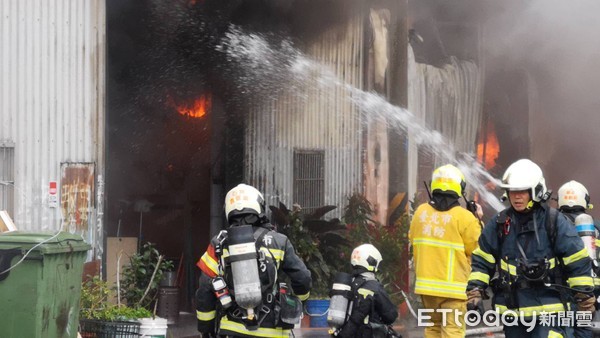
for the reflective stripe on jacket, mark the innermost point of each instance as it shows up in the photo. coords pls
(231, 328)
(371, 308)
(443, 242)
(278, 250)
(568, 247)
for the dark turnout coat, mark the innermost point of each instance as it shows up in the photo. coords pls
(372, 310)
(509, 240)
(279, 255)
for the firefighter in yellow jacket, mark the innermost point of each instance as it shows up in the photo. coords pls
(443, 235)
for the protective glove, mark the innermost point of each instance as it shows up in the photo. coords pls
(475, 301)
(474, 297)
(585, 302)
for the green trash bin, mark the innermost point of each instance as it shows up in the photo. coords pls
(39, 298)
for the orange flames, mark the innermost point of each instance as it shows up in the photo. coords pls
(488, 149)
(196, 109)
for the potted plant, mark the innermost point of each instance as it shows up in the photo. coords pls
(139, 283)
(99, 317)
(321, 245)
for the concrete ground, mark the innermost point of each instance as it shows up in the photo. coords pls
(186, 328)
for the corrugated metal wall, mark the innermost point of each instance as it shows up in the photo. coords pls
(51, 97)
(448, 100)
(315, 118)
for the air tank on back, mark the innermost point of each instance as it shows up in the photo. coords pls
(341, 295)
(244, 267)
(587, 232)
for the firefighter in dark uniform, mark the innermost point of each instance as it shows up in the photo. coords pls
(519, 243)
(244, 205)
(373, 310)
(573, 201)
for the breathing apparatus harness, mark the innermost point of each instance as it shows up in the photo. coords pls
(378, 330)
(530, 273)
(269, 290)
(572, 214)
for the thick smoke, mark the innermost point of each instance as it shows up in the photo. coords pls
(165, 53)
(557, 44)
(180, 48)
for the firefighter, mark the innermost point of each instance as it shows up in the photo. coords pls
(573, 201)
(234, 269)
(521, 244)
(372, 311)
(443, 235)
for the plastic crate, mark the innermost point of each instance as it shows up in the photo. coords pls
(90, 328)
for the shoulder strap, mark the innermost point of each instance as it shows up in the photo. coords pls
(360, 281)
(260, 238)
(570, 216)
(219, 242)
(257, 243)
(272, 278)
(552, 216)
(502, 228)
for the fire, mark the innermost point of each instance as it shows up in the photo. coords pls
(198, 108)
(488, 149)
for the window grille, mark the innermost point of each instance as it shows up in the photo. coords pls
(7, 177)
(309, 179)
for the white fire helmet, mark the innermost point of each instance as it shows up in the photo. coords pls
(525, 175)
(366, 256)
(573, 194)
(244, 199)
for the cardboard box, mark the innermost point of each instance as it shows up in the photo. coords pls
(124, 247)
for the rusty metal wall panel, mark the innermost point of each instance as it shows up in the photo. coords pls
(77, 187)
(51, 97)
(314, 118)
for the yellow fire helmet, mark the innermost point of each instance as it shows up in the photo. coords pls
(448, 179)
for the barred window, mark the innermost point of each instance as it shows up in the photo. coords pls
(309, 179)
(7, 177)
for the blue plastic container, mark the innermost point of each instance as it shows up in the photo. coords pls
(317, 310)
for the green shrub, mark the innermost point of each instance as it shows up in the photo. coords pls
(141, 278)
(391, 240)
(318, 242)
(95, 295)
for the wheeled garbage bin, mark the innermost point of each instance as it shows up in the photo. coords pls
(39, 295)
